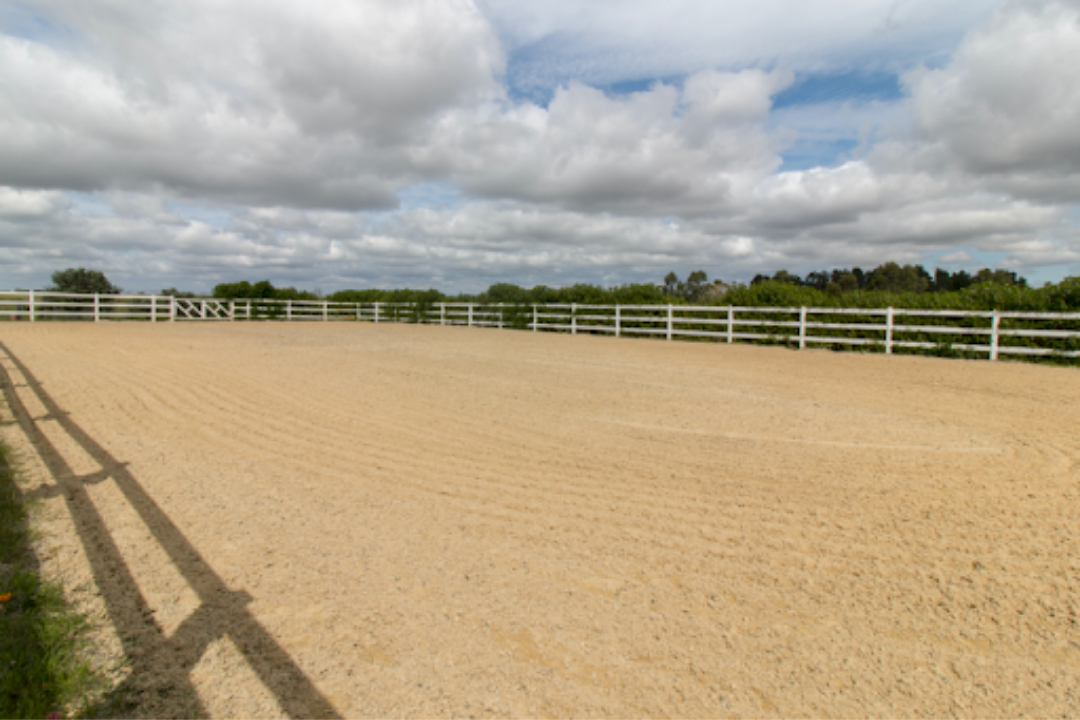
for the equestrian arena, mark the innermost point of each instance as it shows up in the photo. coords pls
(349, 519)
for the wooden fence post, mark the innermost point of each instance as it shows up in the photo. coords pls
(730, 323)
(232, 311)
(97, 307)
(325, 311)
(888, 330)
(802, 328)
(376, 312)
(470, 315)
(670, 319)
(536, 318)
(618, 321)
(995, 326)
(153, 308)
(442, 314)
(172, 308)
(573, 318)
(33, 315)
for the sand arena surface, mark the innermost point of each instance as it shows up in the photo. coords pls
(358, 520)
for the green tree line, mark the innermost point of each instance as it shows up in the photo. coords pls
(890, 284)
(892, 277)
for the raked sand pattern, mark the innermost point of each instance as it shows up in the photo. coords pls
(355, 520)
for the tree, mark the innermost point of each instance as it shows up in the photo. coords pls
(891, 277)
(781, 276)
(81, 280)
(173, 292)
(672, 284)
(946, 282)
(696, 286)
(942, 281)
(507, 293)
(694, 289)
(842, 281)
(262, 290)
(232, 291)
(998, 277)
(819, 280)
(785, 277)
(636, 294)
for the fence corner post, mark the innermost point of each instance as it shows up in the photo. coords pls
(670, 319)
(730, 324)
(995, 327)
(97, 307)
(33, 315)
(802, 328)
(888, 330)
(618, 320)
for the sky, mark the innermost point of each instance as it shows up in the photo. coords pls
(459, 143)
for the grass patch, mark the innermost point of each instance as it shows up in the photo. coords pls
(44, 665)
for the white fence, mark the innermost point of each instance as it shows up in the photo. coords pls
(994, 333)
(34, 305)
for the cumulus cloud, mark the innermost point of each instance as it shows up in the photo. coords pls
(345, 107)
(658, 151)
(457, 249)
(30, 204)
(232, 139)
(607, 41)
(254, 102)
(1008, 104)
(824, 196)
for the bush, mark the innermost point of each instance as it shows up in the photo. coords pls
(81, 280)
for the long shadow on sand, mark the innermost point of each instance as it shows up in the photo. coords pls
(222, 612)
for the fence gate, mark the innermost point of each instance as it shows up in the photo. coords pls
(202, 309)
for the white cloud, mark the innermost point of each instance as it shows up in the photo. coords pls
(240, 139)
(1035, 253)
(30, 204)
(957, 258)
(821, 196)
(1008, 104)
(657, 151)
(253, 102)
(607, 41)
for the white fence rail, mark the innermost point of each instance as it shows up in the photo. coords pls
(994, 333)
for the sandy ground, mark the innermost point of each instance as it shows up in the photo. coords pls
(355, 520)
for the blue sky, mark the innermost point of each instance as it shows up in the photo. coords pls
(424, 143)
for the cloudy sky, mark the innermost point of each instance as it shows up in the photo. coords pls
(457, 143)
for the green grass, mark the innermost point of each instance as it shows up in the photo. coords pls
(44, 664)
